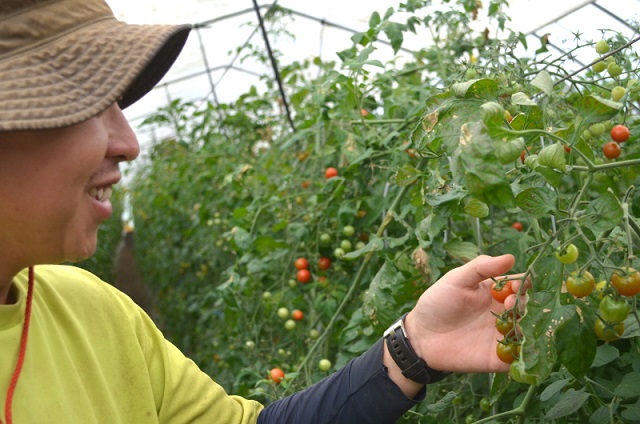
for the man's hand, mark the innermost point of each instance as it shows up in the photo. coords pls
(452, 327)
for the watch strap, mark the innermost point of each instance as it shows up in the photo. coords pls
(412, 366)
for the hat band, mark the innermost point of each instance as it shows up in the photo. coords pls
(34, 25)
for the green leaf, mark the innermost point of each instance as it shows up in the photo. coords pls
(374, 20)
(476, 208)
(553, 156)
(629, 386)
(537, 202)
(522, 99)
(596, 109)
(476, 89)
(462, 249)
(543, 82)
(552, 176)
(509, 151)
(406, 175)
(394, 32)
(443, 404)
(570, 402)
(576, 346)
(378, 303)
(605, 354)
(607, 212)
(475, 166)
(552, 389)
(242, 238)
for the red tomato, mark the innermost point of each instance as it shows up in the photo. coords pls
(501, 294)
(508, 352)
(626, 281)
(301, 263)
(517, 226)
(324, 263)
(611, 150)
(330, 173)
(620, 133)
(297, 314)
(277, 375)
(305, 184)
(304, 276)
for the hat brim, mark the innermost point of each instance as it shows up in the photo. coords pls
(77, 76)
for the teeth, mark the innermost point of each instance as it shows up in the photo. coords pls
(100, 194)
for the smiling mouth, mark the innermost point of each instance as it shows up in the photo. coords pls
(102, 194)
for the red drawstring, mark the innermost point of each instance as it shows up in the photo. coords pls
(23, 350)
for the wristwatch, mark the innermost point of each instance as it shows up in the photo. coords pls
(412, 366)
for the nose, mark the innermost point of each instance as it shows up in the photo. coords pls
(123, 143)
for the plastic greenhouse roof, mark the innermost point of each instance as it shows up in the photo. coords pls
(324, 28)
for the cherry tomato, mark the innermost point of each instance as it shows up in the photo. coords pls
(277, 375)
(580, 285)
(297, 315)
(305, 184)
(324, 364)
(626, 281)
(500, 293)
(330, 173)
(517, 226)
(504, 323)
(568, 254)
(608, 332)
(614, 311)
(508, 352)
(620, 133)
(611, 150)
(324, 263)
(485, 404)
(301, 263)
(304, 276)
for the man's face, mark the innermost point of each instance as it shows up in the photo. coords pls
(55, 187)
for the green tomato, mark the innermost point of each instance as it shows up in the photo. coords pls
(618, 93)
(324, 364)
(338, 252)
(250, 344)
(599, 66)
(614, 69)
(266, 295)
(325, 239)
(614, 311)
(348, 231)
(602, 47)
(485, 404)
(283, 313)
(568, 255)
(346, 245)
(290, 324)
(597, 129)
(314, 334)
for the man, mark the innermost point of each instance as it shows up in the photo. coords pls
(74, 349)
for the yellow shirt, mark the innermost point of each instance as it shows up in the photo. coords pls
(93, 356)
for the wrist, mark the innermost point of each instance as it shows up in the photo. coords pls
(409, 361)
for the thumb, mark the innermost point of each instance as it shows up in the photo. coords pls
(479, 269)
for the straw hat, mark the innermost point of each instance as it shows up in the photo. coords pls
(64, 61)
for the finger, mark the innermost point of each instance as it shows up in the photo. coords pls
(479, 269)
(516, 281)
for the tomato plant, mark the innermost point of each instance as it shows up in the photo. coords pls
(233, 218)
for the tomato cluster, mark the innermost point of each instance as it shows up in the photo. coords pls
(619, 134)
(507, 349)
